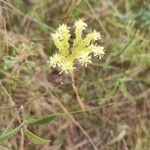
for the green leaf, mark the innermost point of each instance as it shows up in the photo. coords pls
(41, 121)
(35, 139)
(126, 93)
(8, 135)
(110, 94)
(2, 76)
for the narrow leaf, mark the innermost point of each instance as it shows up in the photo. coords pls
(35, 139)
(8, 135)
(110, 94)
(41, 121)
(126, 93)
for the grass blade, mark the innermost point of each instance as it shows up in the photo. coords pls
(9, 134)
(35, 139)
(41, 121)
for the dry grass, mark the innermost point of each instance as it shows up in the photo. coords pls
(114, 91)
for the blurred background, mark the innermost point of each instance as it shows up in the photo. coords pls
(115, 89)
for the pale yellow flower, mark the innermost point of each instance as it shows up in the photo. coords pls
(82, 48)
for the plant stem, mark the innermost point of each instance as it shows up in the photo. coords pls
(74, 121)
(76, 92)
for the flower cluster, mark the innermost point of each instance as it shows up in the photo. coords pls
(81, 49)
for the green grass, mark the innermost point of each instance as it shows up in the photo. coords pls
(115, 90)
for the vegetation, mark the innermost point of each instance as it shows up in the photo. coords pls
(92, 104)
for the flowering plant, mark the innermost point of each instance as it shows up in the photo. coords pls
(82, 49)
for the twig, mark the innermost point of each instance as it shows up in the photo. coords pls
(74, 121)
(71, 117)
(76, 92)
(17, 115)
